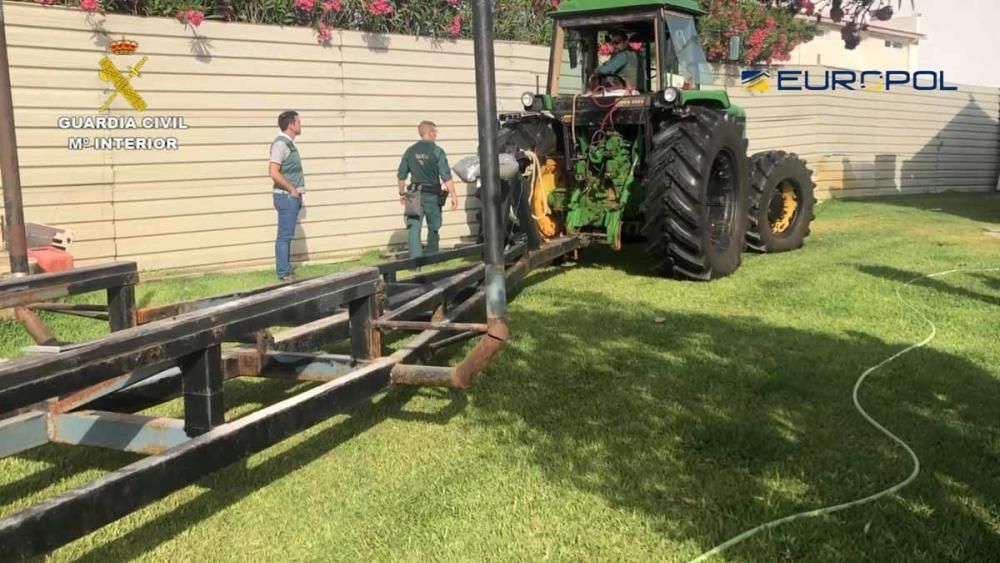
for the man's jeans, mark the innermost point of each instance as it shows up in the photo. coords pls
(431, 208)
(288, 213)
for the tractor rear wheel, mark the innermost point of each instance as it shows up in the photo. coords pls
(782, 202)
(697, 195)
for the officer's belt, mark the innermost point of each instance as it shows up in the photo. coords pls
(431, 188)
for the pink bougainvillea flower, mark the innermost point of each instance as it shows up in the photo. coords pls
(555, 3)
(195, 17)
(380, 8)
(324, 33)
(333, 6)
(455, 27)
(454, 3)
(305, 5)
(88, 5)
(181, 16)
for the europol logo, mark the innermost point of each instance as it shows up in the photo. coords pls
(122, 81)
(756, 80)
(843, 79)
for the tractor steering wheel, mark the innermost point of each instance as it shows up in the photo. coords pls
(606, 82)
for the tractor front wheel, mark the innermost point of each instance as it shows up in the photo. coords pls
(697, 195)
(782, 202)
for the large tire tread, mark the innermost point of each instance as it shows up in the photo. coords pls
(676, 193)
(767, 170)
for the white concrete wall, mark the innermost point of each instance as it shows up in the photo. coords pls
(208, 205)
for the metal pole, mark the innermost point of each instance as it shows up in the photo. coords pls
(9, 168)
(486, 108)
(13, 210)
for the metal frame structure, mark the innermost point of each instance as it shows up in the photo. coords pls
(88, 393)
(117, 278)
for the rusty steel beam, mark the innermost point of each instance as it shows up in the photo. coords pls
(133, 392)
(432, 298)
(27, 380)
(121, 307)
(292, 365)
(306, 337)
(150, 314)
(431, 277)
(421, 326)
(160, 312)
(426, 260)
(45, 287)
(35, 326)
(201, 382)
(94, 392)
(98, 312)
(455, 339)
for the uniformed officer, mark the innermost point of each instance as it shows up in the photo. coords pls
(623, 63)
(426, 164)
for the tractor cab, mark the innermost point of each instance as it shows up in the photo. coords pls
(626, 47)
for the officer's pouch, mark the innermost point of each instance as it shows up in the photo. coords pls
(442, 197)
(412, 208)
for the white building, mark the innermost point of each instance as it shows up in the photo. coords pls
(882, 47)
(958, 37)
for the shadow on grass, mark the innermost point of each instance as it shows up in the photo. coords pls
(60, 463)
(903, 276)
(237, 481)
(983, 207)
(991, 281)
(710, 425)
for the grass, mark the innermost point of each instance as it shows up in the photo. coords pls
(633, 418)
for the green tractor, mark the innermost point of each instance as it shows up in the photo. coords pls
(633, 148)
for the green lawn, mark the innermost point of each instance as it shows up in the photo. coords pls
(633, 418)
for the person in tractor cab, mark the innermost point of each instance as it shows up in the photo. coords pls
(623, 66)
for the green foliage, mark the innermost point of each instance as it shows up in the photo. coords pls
(768, 31)
(767, 34)
(515, 20)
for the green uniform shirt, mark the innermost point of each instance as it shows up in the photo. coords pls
(425, 163)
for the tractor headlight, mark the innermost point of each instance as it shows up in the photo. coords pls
(671, 95)
(527, 99)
